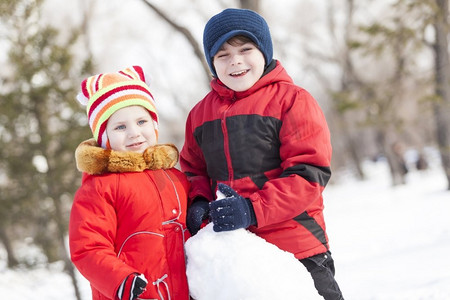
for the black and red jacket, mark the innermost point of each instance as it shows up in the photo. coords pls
(271, 144)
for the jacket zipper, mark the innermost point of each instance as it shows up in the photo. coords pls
(174, 220)
(226, 143)
(178, 200)
(171, 221)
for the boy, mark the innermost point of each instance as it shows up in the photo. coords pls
(127, 224)
(264, 143)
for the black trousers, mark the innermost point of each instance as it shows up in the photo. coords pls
(321, 268)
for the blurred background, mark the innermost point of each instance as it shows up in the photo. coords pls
(379, 70)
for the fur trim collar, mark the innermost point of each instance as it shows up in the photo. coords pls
(93, 159)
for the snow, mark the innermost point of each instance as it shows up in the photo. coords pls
(244, 266)
(241, 265)
(391, 242)
(388, 243)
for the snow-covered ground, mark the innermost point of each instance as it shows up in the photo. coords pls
(389, 243)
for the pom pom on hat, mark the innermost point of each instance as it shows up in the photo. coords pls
(232, 22)
(82, 99)
(104, 94)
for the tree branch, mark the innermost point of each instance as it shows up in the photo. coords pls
(198, 51)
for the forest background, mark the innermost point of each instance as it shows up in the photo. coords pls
(379, 69)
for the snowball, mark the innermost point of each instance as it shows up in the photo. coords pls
(239, 265)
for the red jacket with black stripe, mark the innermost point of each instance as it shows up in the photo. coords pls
(271, 144)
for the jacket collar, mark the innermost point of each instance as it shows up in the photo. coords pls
(93, 159)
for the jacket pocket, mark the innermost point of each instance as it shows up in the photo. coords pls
(145, 251)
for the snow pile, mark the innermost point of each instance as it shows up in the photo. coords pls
(388, 243)
(242, 266)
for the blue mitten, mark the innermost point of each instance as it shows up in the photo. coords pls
(232, 212)
(196, 214)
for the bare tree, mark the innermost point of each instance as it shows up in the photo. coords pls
(442, 74)
(436, 14)
(343, 105)
(198, 50)
(382, 92)
(196, 46)
(87, 10)
(6, 241)
(250, 4)
(39, 120)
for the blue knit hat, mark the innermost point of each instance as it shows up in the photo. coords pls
(230, 23)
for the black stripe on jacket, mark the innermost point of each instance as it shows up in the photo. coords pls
(311, 225)
(253, 144)
(311, 173)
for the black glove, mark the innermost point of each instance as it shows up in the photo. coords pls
(196, 213)
(232, 212)
(132, 287)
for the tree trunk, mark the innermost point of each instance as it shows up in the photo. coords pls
(250, 4)
(351, 145)
(442, 70)
(393, 155)
(59, 218)
(12, 261)
(349, 81)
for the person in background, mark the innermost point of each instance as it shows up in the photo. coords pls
(127, 224)
(264, 143)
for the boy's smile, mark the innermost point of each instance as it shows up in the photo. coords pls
(239, 73)
(239, 67)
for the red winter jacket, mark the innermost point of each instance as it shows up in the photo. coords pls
(130, 222)
(271, 144)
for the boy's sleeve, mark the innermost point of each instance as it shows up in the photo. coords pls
(193, 164)
(92, 228)
(305, 151)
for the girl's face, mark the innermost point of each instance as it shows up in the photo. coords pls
(131, 129)
(239, 66)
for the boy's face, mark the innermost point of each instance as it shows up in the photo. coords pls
(239, 67)
(131, 129)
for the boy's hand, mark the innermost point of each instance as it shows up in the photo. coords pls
(132, 287)
(232, 212)
(196, 214)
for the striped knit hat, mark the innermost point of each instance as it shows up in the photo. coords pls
(104, 94)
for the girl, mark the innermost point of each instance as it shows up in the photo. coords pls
(127, 225)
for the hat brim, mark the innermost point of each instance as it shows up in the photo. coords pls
(215, 48)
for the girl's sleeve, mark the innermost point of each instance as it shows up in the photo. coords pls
(92, 230)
